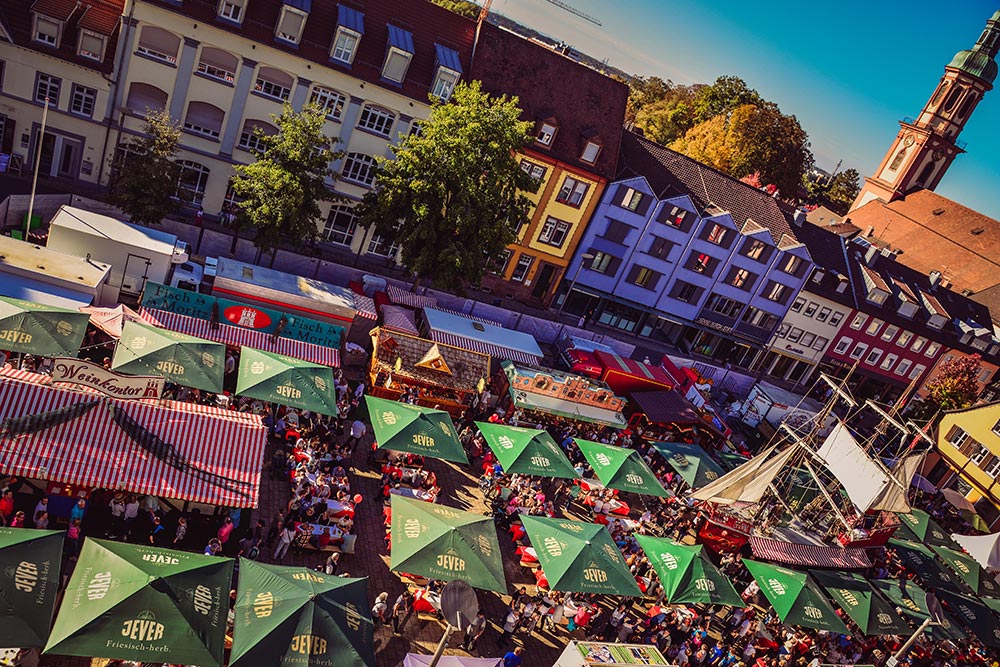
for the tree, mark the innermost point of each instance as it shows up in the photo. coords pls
(752, 138)
(281, 191)
(844, 189)
(723, 97)
(454, 194)
(469, 10)
(955, 386)
(144, 175)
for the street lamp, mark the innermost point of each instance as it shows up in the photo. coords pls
(586, 257)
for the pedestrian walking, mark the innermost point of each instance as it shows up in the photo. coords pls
(509, 625)
(156, 533)
(131, 514)
(285, 537)
(117, 506)
(380, 609)
(225, 530)
(513, 658)
(401, 610)
(474, 630)
(180, 533)
(358, 431)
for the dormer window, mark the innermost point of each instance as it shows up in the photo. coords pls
(398, 54)
(47, 30)
(448, 70)
(291, 21)
(546, 133)
(908, 309)
(231, 10)
(91, 45)
(877, 297)
(591, 149)
(350, 28)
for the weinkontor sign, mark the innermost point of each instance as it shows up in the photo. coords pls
(69, 370)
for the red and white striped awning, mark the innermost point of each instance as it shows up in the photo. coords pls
(404, 298)
(468, 316)
(398, 318)
(216, 454)
(230, 335)
(497, 351)
(810, 555)
(111, 320)
(364, 306)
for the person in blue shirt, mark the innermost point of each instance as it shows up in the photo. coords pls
(513, 658)
(78, 510)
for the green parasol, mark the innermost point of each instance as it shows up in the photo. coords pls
(446, 544)
(687, 574)
(920, 558)
(34, 328)
(796, 599)
(731, 460)
(919, 525)
(691, 462)
(284, 380)
(402, 427)
(144, 604)
(621, 468)
(186, 360)
(858, 598)
(970, 571)
(31, 560)
(911, 600)
(297, 617)
(579, 557)
(976, 616)
(527, 451)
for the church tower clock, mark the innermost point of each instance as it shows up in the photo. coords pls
(926, 146)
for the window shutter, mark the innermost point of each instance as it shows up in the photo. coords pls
(644, 203)
(291, 23)
(92, 44)
(620, 195)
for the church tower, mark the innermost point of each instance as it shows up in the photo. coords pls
(926, 146)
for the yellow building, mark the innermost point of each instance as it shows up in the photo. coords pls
(968, 443)
(577, 114)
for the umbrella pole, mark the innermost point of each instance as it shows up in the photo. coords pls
(909, 642)
(441, 644)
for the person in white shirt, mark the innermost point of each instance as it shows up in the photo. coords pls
(358, 431)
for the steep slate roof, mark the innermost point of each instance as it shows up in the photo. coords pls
(936, 233)
(428, 22)
(102, 16)
(584, 102)
(830, 256)
(671, 174)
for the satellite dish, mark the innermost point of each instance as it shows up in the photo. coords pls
(179, 257)
(459, 604)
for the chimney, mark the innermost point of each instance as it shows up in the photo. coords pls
(799, 218)
(888, 254)
(870, 231)
(935, 277)
(870, 256)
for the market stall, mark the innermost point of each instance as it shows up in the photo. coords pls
(474, 334)
(668, 416)
(553, 393)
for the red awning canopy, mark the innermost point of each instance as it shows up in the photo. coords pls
(188, 452)
(810, 555)
(645, 373)
(403, 298)
(241, 337)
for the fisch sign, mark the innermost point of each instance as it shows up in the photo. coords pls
(87, 374)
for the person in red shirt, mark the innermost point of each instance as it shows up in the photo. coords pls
(7, 506)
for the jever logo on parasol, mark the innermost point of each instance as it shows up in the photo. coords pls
(812, 612)
(552, 547)
(884, 618)
(308, 576)
(171, 367)
(25, 576)
(669, 560)
(411, 528)
(423, 440)
(353, 616)
(632, 478)
(263, 604)
(308, 644)
(14, 336)
(776, 586)
(451, 561)
(484, 545)
(540, 461)
(704, 584)
(143, 628)
(849, 597)
(594, 574)
(603, 460)
(505, 442)
(160, 559)
(287, 391)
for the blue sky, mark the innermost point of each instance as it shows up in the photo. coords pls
(848, 70)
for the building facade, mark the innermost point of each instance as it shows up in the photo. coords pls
(683, 253)
(968, 443)
(577, 115)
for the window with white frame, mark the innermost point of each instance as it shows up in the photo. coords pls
(158, 44)
(957, 436)
(330, 101)
(716, 234)
(843, 345)
(359, 168)
(903, 367)
(91, 45)
(591, 150)
(993, 468)
(890, 333)
(522, 268)
(859, 321)
(379, 246)
(932, 349)
(996, 427)
(47, 86)
(274, 84)
(632, 199)
(808, 338)
(82, 100)
(232, 10)
(874, 326)
(377, 120)
(797, 304)
(396, 63)
(290, 24)
(444, 83)
(859, 350)
(874, 356)
(823, 315)
(340, 225)
(345, 45)
(777, 292)
(572, 192)
(217, 64)
(820, 343)
(46, 30)
(252, 136)
(888, 362)
(546, 134)
(204, 119)
(811, 309)
(917, 371)
(536, 171)
(795, 334)
(836, 318)
(499, 266)
(192, 181)
(554, 232)
(918, 344)
(979, 454)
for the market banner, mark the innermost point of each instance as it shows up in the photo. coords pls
(691, 462)
(446, 544)
(284, 380)
(414, 429)
(687, 574)
(580, 557)
(298, 617)
(526, 451)
(83, 373)
(180, 358)
(858, 599)
(794, 596)
(621, 468)
(234, 313)
(30, 561)
(34, 328)
(144, 604)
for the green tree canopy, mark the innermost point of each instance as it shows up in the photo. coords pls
(469, 10)
(837, 193)
(454, 194)
(723, 97)
(955, 386)
(144, 175)
(752, 138)
(281, 191)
